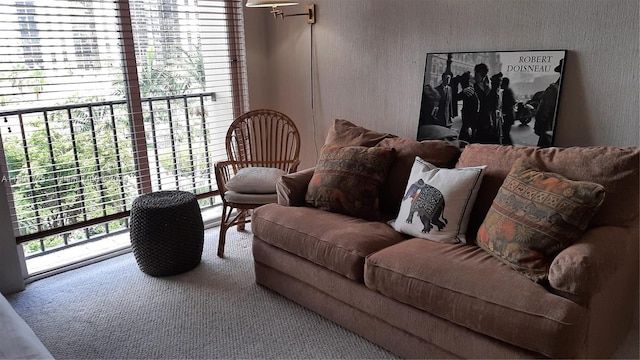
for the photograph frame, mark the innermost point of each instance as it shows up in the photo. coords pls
(465, 96)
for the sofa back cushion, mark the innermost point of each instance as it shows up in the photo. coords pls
(437, 152)
(346, 133)
(615, 168)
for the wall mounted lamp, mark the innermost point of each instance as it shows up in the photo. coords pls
(274, 4)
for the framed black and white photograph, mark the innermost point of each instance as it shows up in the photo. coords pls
(492, 97)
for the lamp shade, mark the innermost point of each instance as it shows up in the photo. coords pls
(269, 3)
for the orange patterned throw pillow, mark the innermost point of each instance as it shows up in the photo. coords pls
(347, 180)
(534, 216)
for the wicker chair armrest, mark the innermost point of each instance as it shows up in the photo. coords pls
(224, 170)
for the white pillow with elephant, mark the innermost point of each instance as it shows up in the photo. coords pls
(437, 202)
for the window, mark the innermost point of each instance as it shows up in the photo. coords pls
(127, 97)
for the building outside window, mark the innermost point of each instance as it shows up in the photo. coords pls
(29, 34)
(85, 38)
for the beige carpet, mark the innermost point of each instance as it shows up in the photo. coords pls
(111, 310)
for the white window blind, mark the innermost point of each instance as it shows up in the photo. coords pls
(103, 100)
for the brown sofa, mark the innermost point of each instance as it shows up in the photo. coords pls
(424, 299)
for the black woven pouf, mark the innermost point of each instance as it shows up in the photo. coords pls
(167, 233)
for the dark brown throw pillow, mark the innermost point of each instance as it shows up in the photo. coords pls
(535, 215)
(347, 180)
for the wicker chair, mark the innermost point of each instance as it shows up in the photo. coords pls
(256, 139)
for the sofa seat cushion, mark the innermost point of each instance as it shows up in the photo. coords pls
(467, 286)
(337, 242)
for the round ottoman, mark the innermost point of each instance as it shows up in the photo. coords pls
(167, 232)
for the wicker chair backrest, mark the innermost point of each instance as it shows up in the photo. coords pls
(265, 138)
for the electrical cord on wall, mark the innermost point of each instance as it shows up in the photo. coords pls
(313, 113)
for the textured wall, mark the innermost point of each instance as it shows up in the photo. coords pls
(369, 58)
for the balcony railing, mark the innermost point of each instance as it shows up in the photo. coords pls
(71, 173)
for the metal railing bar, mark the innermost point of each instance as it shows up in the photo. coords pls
(173, 144)
(96, 155)
(70, 227)
(118, 158)
(89, 239)
(184, 96)
(60, 107)
(155, 141)
(102, 103)
(29, 171)
(192, 165)
(205, 136)
(109, 204)
(45, 167)
(92, 222)
(67, 203)
(77, 163)
(54, 168)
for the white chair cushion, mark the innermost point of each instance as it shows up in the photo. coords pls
(255, 180)
(252, 199)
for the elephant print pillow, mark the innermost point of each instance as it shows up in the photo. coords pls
(437, 202)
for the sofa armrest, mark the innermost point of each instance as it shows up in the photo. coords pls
(585, 267)
(18, 341)
(292, 188)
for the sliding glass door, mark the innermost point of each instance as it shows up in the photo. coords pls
(103, 100)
